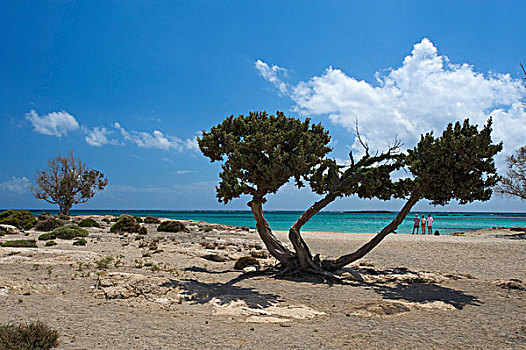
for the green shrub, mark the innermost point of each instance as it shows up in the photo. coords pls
(171, 226)
(63, 217)
(89, 222)
(50, 243)
(48, 224)
(80, 241)
(30, 336)
(152, 220)
(46, 236)
(138, 219)
(68, 232)
(22, 219)
(125, 223)
(245, 261)
(106, 220)
(44, 216)
(104, 263)
(20, 243)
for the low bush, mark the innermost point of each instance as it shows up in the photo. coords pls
(152, 220)
(245, 261)
(20, 243)
(80, 241)
(89, 222)
(22, 219)
(106, 220)
(138, 219)
(50, 243)
(28, 336)
(48, 223)
(125, 223)
(63, 217)
(171, 226)
(64, 232)
(44, 216)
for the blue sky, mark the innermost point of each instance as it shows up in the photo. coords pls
(128, 85)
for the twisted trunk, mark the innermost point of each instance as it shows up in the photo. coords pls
(274, 245)
(334, 265)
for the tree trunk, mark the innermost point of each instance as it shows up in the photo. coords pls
(334, 265)
(303, 253)
(274, 245)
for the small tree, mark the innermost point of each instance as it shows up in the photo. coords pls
(67, 181)
(261, 153)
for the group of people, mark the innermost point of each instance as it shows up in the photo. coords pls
(423, 222)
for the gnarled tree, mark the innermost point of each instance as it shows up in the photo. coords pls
(514, 182)
(67, 181)
(260, 153)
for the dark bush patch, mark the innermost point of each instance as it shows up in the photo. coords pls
(80, 241)
(89, 222)
(171, 226)
(50, 243)
(48, 223)
(22, 219)
(29, 336)
(152, 220)
(106, 220)
(138, 219)
(44, 216)
(64, 232)
(63, 217)
(20, 243)
(245, 261)
(125, 223)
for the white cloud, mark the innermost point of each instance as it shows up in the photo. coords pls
(271, 74)
(425, 93)
(17, 185)
(53, 124)
(183, 172)
(98, 136)
(156, 139)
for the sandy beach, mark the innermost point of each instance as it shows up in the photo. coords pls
(180, 291)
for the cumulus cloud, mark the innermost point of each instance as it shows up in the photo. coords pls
(98, 137)
(155, 139)
(53, 124)
(17, 185)
(425, 93)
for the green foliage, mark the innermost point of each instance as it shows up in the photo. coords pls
(260, 153)
(245, 261)
(22, 219)
(50, 243)
(29, 336)
(171, 226)
(125, 223)
(89, 222)
(48, 223)
(457, 165)
(80, 241)
(20, 243)
(63, 217)
(104, 264)
(44, 216)
(152, 220)
(138, 219)
(65, 232)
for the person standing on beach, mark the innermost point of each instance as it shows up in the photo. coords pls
(423, 224)
(429, 224)
(416, 221)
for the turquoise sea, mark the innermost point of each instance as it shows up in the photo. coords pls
(331, 221)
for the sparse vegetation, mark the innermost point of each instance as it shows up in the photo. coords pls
(171, 226)
(245, 261)
(28, 336)
(21, 219)
(80, 241)
(152, 220)
(20, 243)
(89, 222)
(125, 223)
(104, 264)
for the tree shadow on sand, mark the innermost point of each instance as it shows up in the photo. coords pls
(201, 292)
(424, 293)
